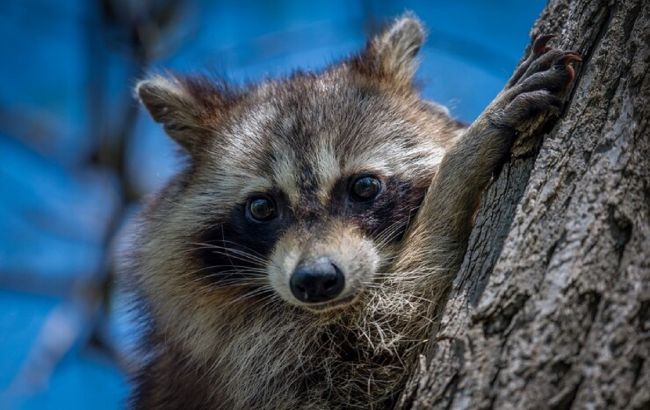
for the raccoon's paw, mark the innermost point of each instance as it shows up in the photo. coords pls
(537, 86)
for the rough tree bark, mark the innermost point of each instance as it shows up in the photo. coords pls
(551, 308)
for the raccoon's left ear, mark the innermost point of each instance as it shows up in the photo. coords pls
(393, 52)
(189, 108)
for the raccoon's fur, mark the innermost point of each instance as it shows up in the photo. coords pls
(225, 328)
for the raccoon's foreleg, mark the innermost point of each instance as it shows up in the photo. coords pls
(437, 239)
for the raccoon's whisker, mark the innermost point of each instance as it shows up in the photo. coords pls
(244, 269)
(392, 231)
(267, 302)
(250, 250)
(235, 281)
(401, 226)
(234, 253)
(264, 291)
(248, 275)
(248, 295)
(247, 255)
(385, 236)
(222, 278)
(389, 234)
(223, 238)
(252, 256)
(245, 249)
(233, 268)
(241, 258)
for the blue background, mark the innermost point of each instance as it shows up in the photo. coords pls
(68, 67)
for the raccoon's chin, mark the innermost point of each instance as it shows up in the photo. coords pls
(326, 307)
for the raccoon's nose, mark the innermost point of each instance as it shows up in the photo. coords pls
(317, 281)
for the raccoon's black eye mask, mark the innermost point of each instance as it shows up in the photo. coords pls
(262, 207)
(373, 203)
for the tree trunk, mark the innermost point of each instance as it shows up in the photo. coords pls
(551, 307)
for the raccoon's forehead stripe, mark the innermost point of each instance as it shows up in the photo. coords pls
(312, 173)
(285, 172)
(327, 169)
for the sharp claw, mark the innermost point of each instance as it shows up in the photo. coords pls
(571, 73)
(566, 61)
(567, 58)
(539, 45)
(570, 57)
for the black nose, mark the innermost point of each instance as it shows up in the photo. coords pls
(317, 281)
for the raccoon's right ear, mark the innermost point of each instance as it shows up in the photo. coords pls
(188, 108)
(392, 54)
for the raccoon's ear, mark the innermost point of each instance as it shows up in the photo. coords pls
(188, 108)
(392, 53)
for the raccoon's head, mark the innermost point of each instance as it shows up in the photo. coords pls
(301, 187)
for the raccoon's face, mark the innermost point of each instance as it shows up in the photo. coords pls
(301, 188)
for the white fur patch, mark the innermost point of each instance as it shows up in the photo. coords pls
(327, 168)
(284, 176)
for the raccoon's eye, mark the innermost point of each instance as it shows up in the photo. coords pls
(261, 208)
(365, 188)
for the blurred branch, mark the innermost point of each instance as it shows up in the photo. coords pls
(138, 29)
(141, 30)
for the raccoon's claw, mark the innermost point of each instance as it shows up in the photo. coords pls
(567, 60)
(571, 56)
(537, 84)
(539, 45)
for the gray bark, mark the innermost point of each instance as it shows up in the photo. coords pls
(551, 307)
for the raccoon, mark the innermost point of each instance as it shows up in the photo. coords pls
(298, 261)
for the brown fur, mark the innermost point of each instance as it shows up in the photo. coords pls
(236, 338)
